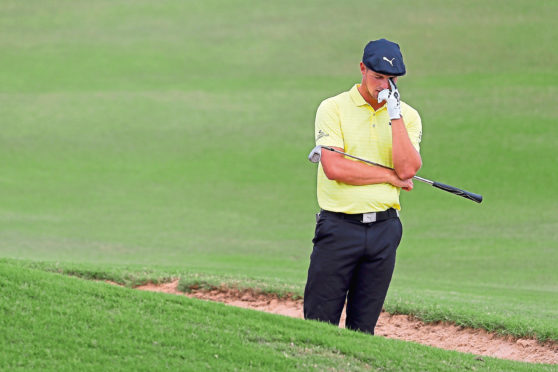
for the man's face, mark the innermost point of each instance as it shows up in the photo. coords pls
(373, 81)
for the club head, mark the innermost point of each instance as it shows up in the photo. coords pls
(315, 154)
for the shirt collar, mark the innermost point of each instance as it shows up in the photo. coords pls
(357, 98)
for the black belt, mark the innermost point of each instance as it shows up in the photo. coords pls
(364, 217)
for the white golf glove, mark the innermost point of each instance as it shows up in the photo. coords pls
(393, 100)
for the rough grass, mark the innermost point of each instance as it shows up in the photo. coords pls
(54, 322)
(530, 321)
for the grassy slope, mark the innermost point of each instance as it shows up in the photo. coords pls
(174, 134)
(494, 309)
(52, 322)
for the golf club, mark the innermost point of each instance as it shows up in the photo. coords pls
(316, 154)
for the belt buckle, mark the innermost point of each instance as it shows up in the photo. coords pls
(369, 217)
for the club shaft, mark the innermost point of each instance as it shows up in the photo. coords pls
(451, 189)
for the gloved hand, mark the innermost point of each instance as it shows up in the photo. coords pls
(393, 100)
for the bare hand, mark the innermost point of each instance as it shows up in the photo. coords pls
(409, 182)
(406, 185)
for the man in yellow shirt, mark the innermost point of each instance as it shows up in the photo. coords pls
(358, 228)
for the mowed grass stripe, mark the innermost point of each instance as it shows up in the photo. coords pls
(53, 322)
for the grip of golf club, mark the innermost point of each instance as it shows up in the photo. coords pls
(454, 190)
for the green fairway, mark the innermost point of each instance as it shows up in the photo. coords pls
(51, 322)
(171, 138)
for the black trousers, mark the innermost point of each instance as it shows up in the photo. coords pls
(351, 261)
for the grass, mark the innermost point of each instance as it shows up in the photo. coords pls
(522, 314)
(53, 322)
(136, 275)
(152, 139)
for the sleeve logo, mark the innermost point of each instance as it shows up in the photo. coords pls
(321, 134)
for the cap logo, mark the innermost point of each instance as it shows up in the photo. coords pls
(390, 62)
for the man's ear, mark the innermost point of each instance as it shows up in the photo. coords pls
(362, 68)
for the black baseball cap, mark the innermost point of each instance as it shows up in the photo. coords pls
(384, 57)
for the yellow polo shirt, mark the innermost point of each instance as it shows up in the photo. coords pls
(349, 122)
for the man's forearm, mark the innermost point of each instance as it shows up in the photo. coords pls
(406, 159)
(337, 167)
(358, 174)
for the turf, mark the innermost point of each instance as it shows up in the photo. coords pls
(491, 308)
(53, 322)
(174, 135)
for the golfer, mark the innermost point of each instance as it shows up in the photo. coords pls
(358, 228)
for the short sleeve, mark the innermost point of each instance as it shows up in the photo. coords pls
(328, 125)
(413, 124)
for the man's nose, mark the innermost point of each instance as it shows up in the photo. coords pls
(385, 84)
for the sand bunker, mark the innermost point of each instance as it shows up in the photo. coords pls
(401, 327)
